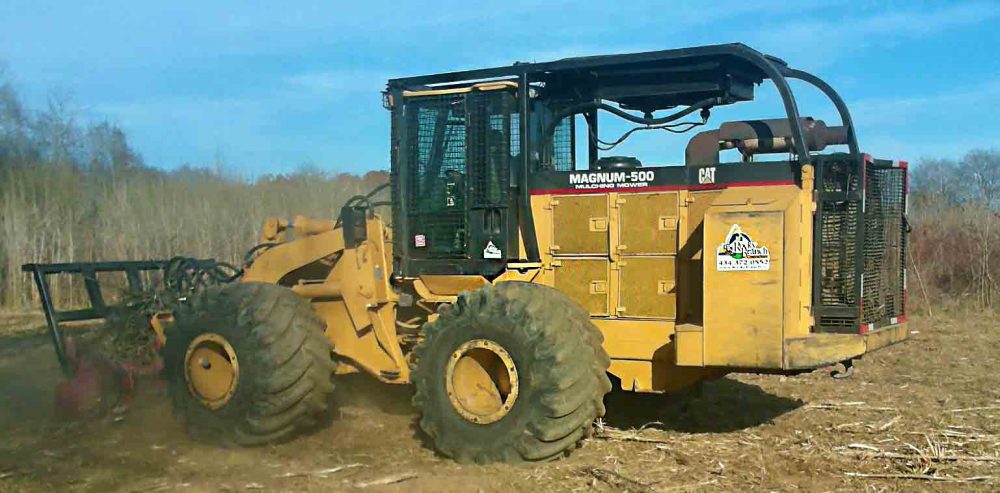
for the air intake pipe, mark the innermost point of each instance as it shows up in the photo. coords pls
(753, 137)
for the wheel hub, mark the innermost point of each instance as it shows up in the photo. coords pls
(211, 370)
(481, 381)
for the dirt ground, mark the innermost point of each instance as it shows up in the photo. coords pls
(906, 407)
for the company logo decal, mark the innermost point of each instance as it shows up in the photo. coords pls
(740, 253)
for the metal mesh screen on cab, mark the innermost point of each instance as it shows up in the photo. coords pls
(459, 149)
(493, 142)
(555, 152)
(563, 153)
(437, 171)
(884, 243)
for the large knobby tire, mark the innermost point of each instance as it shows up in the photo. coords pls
(556, 373)
(272, 341)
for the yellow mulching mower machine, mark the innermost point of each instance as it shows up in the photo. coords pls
(518, 280)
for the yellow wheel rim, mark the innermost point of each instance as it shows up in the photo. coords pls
(481, 381)
(211, 370)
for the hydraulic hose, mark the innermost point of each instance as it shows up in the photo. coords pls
(592, 105)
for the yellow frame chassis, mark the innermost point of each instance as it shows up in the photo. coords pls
(360, 306)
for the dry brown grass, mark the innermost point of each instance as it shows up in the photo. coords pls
(56, 213)
(920, 416)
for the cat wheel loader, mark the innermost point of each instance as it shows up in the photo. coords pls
(526, 267)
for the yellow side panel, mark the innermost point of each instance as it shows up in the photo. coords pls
(453, 285)
(585, 281)
(636, 339)
(690, 345)
(648, 223)
(360, 347)
(743, 308)
(580, 224)
(798, 268)
(886, 336)
(659, 376)
(635, 376)
(689, 257)
(541, 208)
(648, 287)
(818, 350)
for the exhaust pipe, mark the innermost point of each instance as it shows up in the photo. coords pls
(753, 137)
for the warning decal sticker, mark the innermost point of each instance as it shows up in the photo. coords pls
(491, 251)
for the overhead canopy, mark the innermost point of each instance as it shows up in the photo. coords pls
(645, 81)
(654, 80)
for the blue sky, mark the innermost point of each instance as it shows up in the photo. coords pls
(269, 86)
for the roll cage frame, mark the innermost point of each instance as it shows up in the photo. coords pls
(735, 60)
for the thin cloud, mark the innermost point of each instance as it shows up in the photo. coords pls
(878, 111)
(914, 151)
(821, 42)
(945, 124)
(332, 81)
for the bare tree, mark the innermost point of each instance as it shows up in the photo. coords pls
(982, 170)
(14, 133)
(954, 210)
(56, 130)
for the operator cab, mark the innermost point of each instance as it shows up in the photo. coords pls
(464, 161)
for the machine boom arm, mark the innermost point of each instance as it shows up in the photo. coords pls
(344, 270)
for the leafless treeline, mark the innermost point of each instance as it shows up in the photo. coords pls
(955, 214)
(73, 192)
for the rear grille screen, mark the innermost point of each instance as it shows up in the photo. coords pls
(861, 209)
(885, 198)
(839, 227)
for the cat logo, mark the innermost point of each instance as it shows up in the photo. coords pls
(706, 176)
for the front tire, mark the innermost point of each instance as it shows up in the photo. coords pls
(247, 364)
(509, 373)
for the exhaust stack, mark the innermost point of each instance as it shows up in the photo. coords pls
(753, 137)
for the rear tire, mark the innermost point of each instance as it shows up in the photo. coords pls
(558, 377)
(271, 342)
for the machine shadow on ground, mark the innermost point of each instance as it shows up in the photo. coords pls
(722, 405)
(361, 389)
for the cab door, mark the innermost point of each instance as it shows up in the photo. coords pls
(457, 172)
(490, 154)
